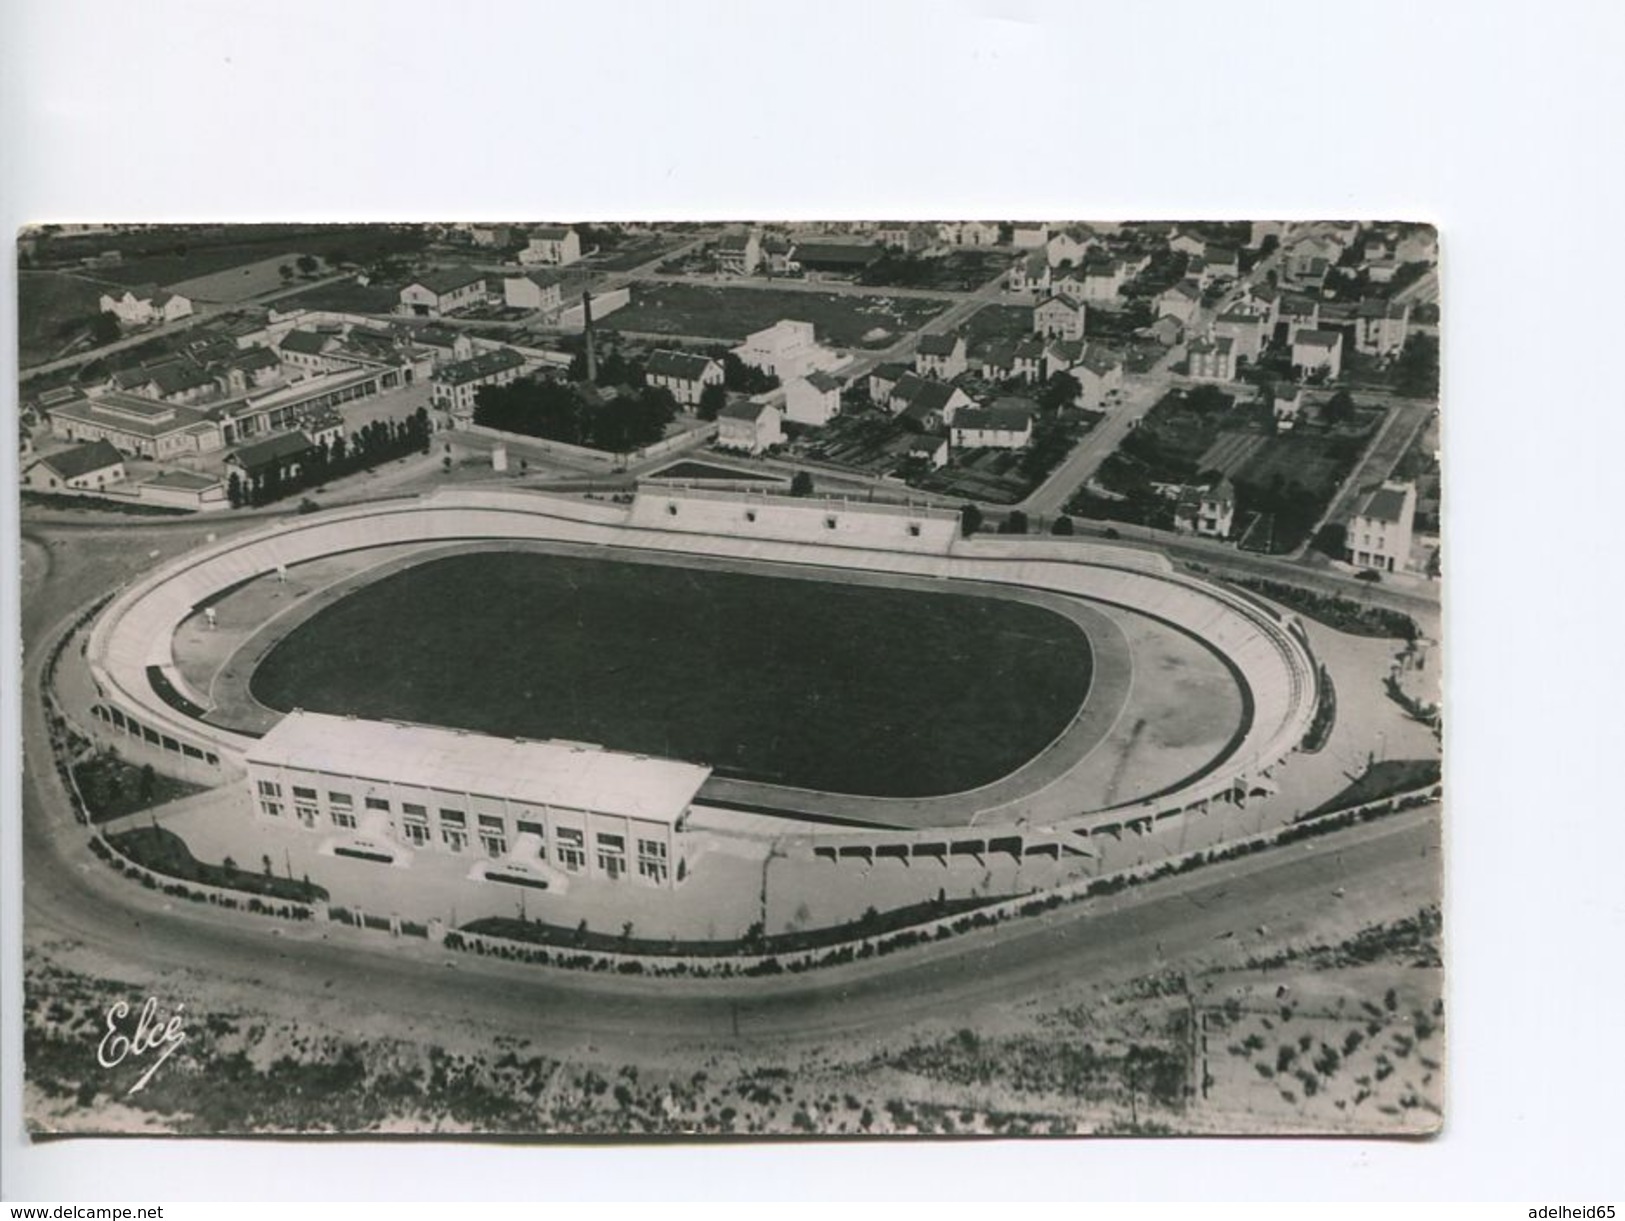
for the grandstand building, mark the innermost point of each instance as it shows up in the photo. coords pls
(545, 810)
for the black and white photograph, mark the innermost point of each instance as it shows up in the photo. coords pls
(950, 678)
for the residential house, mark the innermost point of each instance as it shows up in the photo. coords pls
(1220, 263)
(1381, 327)
(1417, 244)
(1262, 229)
(82, 468)
(1030, 274)
(929, 449)
(1166, 330)
(739, 254)
(1021, 361)
(1207, 511)
(542, 289)
(1379, 536)
(1060, 316)
(906, 236)
(442, 292)
(1246, 328)
(929, 405)
(685, 374)
(1063, 355)
(1212, 360)
(1100, 375)
(490, 236)
(1298, 313)
(777, 255)
(750, 426)
(969, 233)
(845, 259)
(1180, 301)
(1188, 244)
(786, 349)
(941, 356)
(1315, 351)
(456, 386)
(1027, 235)
(883, 377)
(1069, 247)
(1102, 281)
(993, 428)
(144, 304)
(557, 245)
(814, 399)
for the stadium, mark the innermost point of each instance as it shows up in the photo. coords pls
(610, 705)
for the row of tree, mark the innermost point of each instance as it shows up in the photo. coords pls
(374, 443)
(561, 411)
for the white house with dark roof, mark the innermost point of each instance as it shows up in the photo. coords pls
(739, 254)
(1102, 281)
(1180, 301)
(1029, 235)
(1059, 316)
(535, 290)
(145, 303)
(685, 374)
(1212, 360)
(1187, 244)
(1381, 327)
(1313, 351)
(932, 405)
(1379, 536)
(1021, 361)
(1030, 274)
(814, 399)
(558, 245)
(929, 449)
(442, 292)
(1208, 511)
(309, 350)
(749, 426)
(883, 377)
(968, 233)
(941, 356)
(82, 468)
(993, 428)
(1246, 329)
(1100, 375)
(1071, 245)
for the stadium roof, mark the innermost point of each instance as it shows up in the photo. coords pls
(558, 774)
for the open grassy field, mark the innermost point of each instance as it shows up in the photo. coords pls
(170, 256)
(52, 306)
(847, 321)
(233, 284)
(345, 296)
(836, 687)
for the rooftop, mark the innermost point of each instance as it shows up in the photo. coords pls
(939, 345)
(486, 364)
(1004, 419)
(83, 459)
(1387, 503)
(559, 774)
(271, 450)
(689, 366)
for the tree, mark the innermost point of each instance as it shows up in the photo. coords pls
(712, 400)
(1016, 523)
(104, 329)
(285, 271)
(149, 783)
(234, 490)
(1061, 390)
(1339, 409)
(307, 265)
(970, 520)
(801, 484)
(1063, 525)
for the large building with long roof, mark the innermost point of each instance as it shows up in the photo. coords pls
(378, 788)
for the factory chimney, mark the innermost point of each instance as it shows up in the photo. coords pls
(592, 353)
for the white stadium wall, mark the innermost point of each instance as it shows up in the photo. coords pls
(132, 639)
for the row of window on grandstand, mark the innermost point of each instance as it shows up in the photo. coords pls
(569, 843)
(831, 521)
(146, 733)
